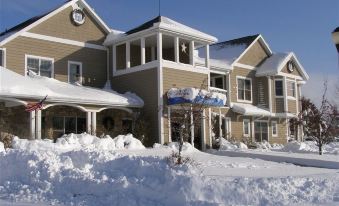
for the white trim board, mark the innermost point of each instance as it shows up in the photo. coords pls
(62, 41)
(60, 9)
(4, 57)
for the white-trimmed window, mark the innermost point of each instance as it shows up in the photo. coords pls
(291, 89)
(244, 89)
(42, 66)
(3, 57)
(218, 82)
(279, 88)
(74, 72)
(274, 126)
(246, 127)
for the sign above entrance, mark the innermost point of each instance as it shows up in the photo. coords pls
(195, 96)
(78, 16)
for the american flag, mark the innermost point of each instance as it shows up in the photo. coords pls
(35, 106)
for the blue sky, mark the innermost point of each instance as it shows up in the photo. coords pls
(302, 26)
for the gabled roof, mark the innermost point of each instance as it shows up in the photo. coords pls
(15, 31)
(169, 25)
(275, 63)
(232, 50)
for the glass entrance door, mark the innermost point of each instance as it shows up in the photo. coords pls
(261, 131)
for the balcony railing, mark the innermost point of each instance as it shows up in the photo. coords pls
(218, 90)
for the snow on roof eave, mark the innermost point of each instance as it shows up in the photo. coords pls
(248, 109)
(56, 11)
(187, 32)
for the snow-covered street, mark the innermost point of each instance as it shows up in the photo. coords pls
(90, 171)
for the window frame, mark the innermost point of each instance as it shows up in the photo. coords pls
(289, 81)
(276, 128)
(246, 121)
(244, 100)
(4, 56)
(69, 69)
(39, 58)
(275, 88)
(214, 84)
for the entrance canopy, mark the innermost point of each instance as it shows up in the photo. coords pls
(32, 87)
(195, 96)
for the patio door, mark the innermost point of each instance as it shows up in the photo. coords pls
(261, 131)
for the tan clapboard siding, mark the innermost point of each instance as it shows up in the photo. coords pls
(94, 62)
(237, 71)
(255, 55)
(61, 25)
(144, 84)
(295, 71)
(281, 126)
(279, 105)
(181, 79)
(265, 89)
(292, 106)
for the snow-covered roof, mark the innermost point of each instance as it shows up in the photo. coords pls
(275, 63)
(249, 109)
(37, 87)
(229, 51)
(169, 25)
(112, 36)
(214, 63)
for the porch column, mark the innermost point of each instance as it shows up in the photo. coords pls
(114, 57)
(176, 49)
(285, 93)
(192, 53)
(32, 124)
(128, 54)
(228, 100)
(89, 123)
(220, 123)
(143, 60)
(207, 59)
(203, 130)
(192, 128)
(159, 44)
(38, 124)
(94, 123)
(169, 124)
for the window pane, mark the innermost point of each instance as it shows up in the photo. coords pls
(46, 68)
(127, 126)
(241, 84)
(278, 88)
(33, 65)
(246, 128)
(219, 83)
(247, 84)
(81, 125)
(274, 128)
(70, 123)
(241, 94)
(74, 73)
(248, 95)
(58, 123)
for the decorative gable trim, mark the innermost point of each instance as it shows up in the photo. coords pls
(53, 13)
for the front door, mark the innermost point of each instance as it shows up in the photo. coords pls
(261, 131)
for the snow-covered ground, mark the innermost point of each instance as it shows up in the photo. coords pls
(86, 170)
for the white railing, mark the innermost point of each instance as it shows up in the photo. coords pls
(218, 90)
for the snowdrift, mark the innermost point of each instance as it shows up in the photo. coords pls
(79, 141)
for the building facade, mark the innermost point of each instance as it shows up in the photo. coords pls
(73, 45)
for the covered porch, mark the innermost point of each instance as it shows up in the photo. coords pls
(67, 109)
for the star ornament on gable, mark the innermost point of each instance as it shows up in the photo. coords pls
(183, 47)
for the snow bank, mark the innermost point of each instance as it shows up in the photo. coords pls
(79, 141)
(226, 145)
(2, 147)
(186, 148)
(310, 147)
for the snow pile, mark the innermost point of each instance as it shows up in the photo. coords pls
(174, 146)
(226, 145)
(310, 147)
(2, 147)
(79, 141)
(248, 109)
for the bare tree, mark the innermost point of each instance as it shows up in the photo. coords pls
(319, 124)
(189, 116)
